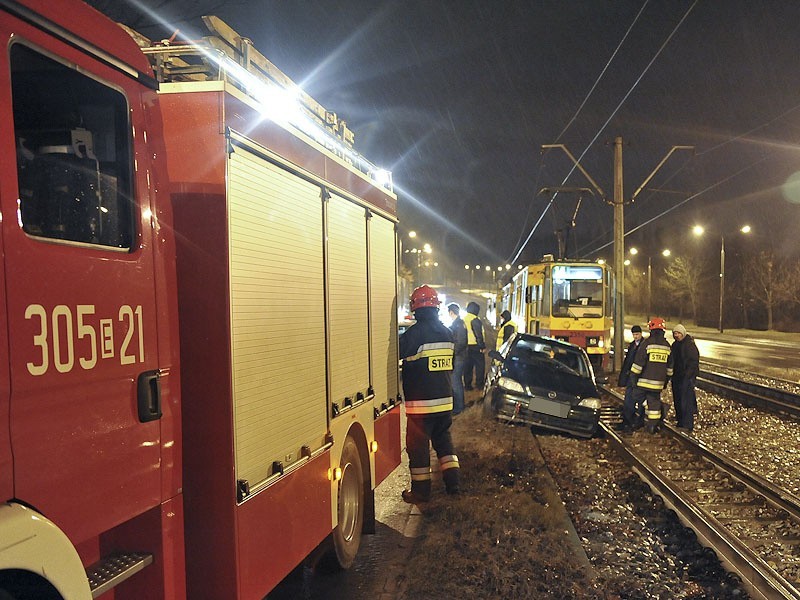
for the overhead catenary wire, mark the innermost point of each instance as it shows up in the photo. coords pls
(519, 248)
(708, 188)
(619, 105)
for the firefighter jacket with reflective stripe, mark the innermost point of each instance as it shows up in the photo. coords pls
(474, 331)
(427, 352)
(653, 363)
(506, 330)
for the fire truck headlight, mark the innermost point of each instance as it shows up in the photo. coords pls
(373, 446)
(335, 474)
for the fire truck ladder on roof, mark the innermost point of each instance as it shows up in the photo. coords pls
(200, 61)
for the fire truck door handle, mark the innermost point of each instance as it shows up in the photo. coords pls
(148, 388)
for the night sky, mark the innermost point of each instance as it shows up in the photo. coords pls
(456, 98)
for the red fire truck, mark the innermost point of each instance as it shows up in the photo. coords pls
(199, 316)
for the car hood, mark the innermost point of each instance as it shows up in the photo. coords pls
(544, 376)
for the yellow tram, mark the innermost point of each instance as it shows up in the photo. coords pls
(570, 300)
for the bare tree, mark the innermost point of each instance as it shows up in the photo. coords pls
(685, 278)
(793, 281)
(635, 289)
(775, 282)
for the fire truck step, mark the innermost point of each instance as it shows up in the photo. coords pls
(114, 569)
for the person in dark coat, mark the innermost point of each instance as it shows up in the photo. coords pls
(632, 415)
(686, 367)
(459, 355)
(426, 349)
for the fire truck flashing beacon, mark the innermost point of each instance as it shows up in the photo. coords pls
(199, 313)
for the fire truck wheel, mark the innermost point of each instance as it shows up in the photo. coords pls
(347, 535)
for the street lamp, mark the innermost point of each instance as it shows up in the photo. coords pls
(698, 231)
(425, 249)
(665, 253)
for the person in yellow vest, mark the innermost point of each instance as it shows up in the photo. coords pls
(506, 330)
(475, 348)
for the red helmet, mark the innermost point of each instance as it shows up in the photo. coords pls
(423, 296)
(657, 323)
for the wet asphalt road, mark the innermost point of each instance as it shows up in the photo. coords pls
(750, 351)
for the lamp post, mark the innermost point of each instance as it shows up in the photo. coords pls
(418, 252)
(665, 253)
(699, 230)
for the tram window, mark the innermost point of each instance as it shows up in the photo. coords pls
(73, 153)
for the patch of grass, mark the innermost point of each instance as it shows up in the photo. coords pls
(504, 536)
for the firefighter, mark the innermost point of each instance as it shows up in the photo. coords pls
(507, 329)
(426, 349)
(652, 369)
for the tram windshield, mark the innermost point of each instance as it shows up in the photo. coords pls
(578, 291)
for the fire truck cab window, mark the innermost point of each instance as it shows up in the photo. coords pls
(73, 153)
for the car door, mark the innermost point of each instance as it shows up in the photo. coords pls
(84, 412)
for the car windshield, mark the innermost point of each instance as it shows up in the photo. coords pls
(548, 374)
(527, 350)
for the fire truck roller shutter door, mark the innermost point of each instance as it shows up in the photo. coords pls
(347, 297)
(279, 389)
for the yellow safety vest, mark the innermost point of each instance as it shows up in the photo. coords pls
(500, 331)
(468, 319)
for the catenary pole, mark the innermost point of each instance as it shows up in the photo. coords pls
(618, 201)
(619, 255)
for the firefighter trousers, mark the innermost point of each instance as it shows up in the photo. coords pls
(651, 399)
(422, 431)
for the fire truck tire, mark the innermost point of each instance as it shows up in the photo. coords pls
(347, 535)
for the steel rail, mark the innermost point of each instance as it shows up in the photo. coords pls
(761, 580)
(750, 394)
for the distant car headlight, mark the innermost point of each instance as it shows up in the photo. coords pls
(593, 403)
(511, 385)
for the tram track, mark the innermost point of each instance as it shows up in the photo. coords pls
(752, 525)
(749, 393)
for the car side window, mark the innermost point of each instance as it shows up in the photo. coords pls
(73, 153)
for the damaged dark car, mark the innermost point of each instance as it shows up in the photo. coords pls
(544, 383)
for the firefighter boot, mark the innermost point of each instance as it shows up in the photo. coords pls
(450, 478)
(419, 493)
